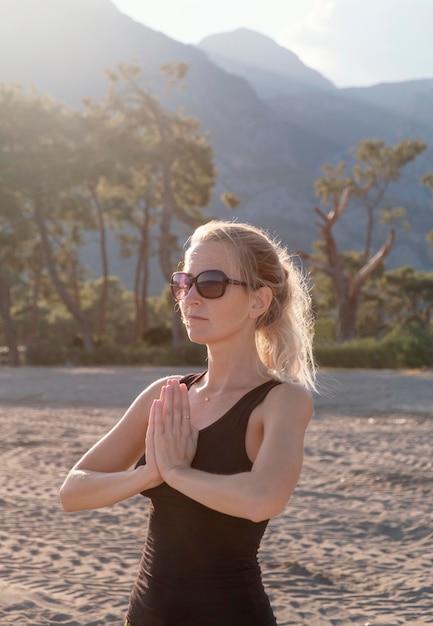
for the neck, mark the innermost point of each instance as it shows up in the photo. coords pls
(230, 369)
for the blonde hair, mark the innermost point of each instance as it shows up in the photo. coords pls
(284, 333)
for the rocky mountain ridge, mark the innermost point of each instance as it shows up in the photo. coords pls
(272, 121)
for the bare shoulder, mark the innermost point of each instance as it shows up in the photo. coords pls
(291, 403)
(138, 410)
(153, 390)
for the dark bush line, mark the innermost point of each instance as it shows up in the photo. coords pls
(411, 348)
(50, 354)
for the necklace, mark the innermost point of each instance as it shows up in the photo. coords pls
(207, 398)
(217, 395)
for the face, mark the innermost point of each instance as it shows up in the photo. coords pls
(210, 320)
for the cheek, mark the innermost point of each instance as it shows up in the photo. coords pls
(237, 310)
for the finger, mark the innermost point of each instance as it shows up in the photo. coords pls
(167, 406)
(150, 430)
(156, 421)
(151, 420)
(184, 399)
(177, 403)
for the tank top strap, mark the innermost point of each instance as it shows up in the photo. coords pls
(254, 397)
(191, 379)
(249, 401)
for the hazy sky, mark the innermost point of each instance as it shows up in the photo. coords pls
(351, 42)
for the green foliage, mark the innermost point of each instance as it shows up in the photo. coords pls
(123, 165)
(427, 180)
(46, 352)
(176, 71)
(50, 353)
(230, 200)
(187, 354)
(157, 335)
(119, 311)
(324, 330)
(404, 346)
(376, 167)
(127, 166)
(407, 295)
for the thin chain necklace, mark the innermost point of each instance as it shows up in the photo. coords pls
(208, 398)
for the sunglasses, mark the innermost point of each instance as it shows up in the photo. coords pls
(209, 284)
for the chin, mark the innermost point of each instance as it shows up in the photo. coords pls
(195, 337)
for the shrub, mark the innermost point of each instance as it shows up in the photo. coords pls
(402, 347)
(103, 354)
(46, 352)
(157, 335)
(113, 354)
(415, 344)
(324, 329)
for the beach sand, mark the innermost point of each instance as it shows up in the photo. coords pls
(354, 545)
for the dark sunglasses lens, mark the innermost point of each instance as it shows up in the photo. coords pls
(211, 284)
(180, 284)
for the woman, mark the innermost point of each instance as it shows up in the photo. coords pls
(223, 448)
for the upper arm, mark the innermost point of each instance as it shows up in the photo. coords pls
(125, 442)
(286, 413)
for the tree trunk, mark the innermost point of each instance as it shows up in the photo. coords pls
(104, 260)
(178, 329)
(164, 251)
(347, 316)
(141, 280)
(8, 325)
(140, 296)
(73, 309)
(370, 222)
(34, 313)
(168, 210)
(143, 296)
(144, 249)
(137, 300)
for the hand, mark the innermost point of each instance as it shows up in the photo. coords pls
(151, 466)
(174, 437)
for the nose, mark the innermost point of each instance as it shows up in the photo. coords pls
(192, 295)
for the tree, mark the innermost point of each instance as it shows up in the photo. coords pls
(427, 180)
(97, 160)
(409, 296)
(377, 166)
(170, 172)
(37, 167)
(14, 233)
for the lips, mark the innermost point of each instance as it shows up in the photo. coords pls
(194, 318)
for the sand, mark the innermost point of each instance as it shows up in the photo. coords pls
(354, 545)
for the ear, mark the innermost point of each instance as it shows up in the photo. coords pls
(260, 301)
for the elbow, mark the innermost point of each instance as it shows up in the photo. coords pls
(263, 513)
(262, 507)
(67, 499)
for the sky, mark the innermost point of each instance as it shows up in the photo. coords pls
(351, 42)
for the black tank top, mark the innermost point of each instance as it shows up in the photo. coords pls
(200, 567)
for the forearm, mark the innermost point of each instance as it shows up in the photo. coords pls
(242, 495)
(84, 489)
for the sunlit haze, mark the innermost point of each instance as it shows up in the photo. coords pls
(350, 42)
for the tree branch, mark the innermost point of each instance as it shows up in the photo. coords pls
(322, 267)
(373, 263)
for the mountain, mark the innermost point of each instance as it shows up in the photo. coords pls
(324, 122)
(409, 98)
(64, 47)
(272, 121)
(271, 69)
